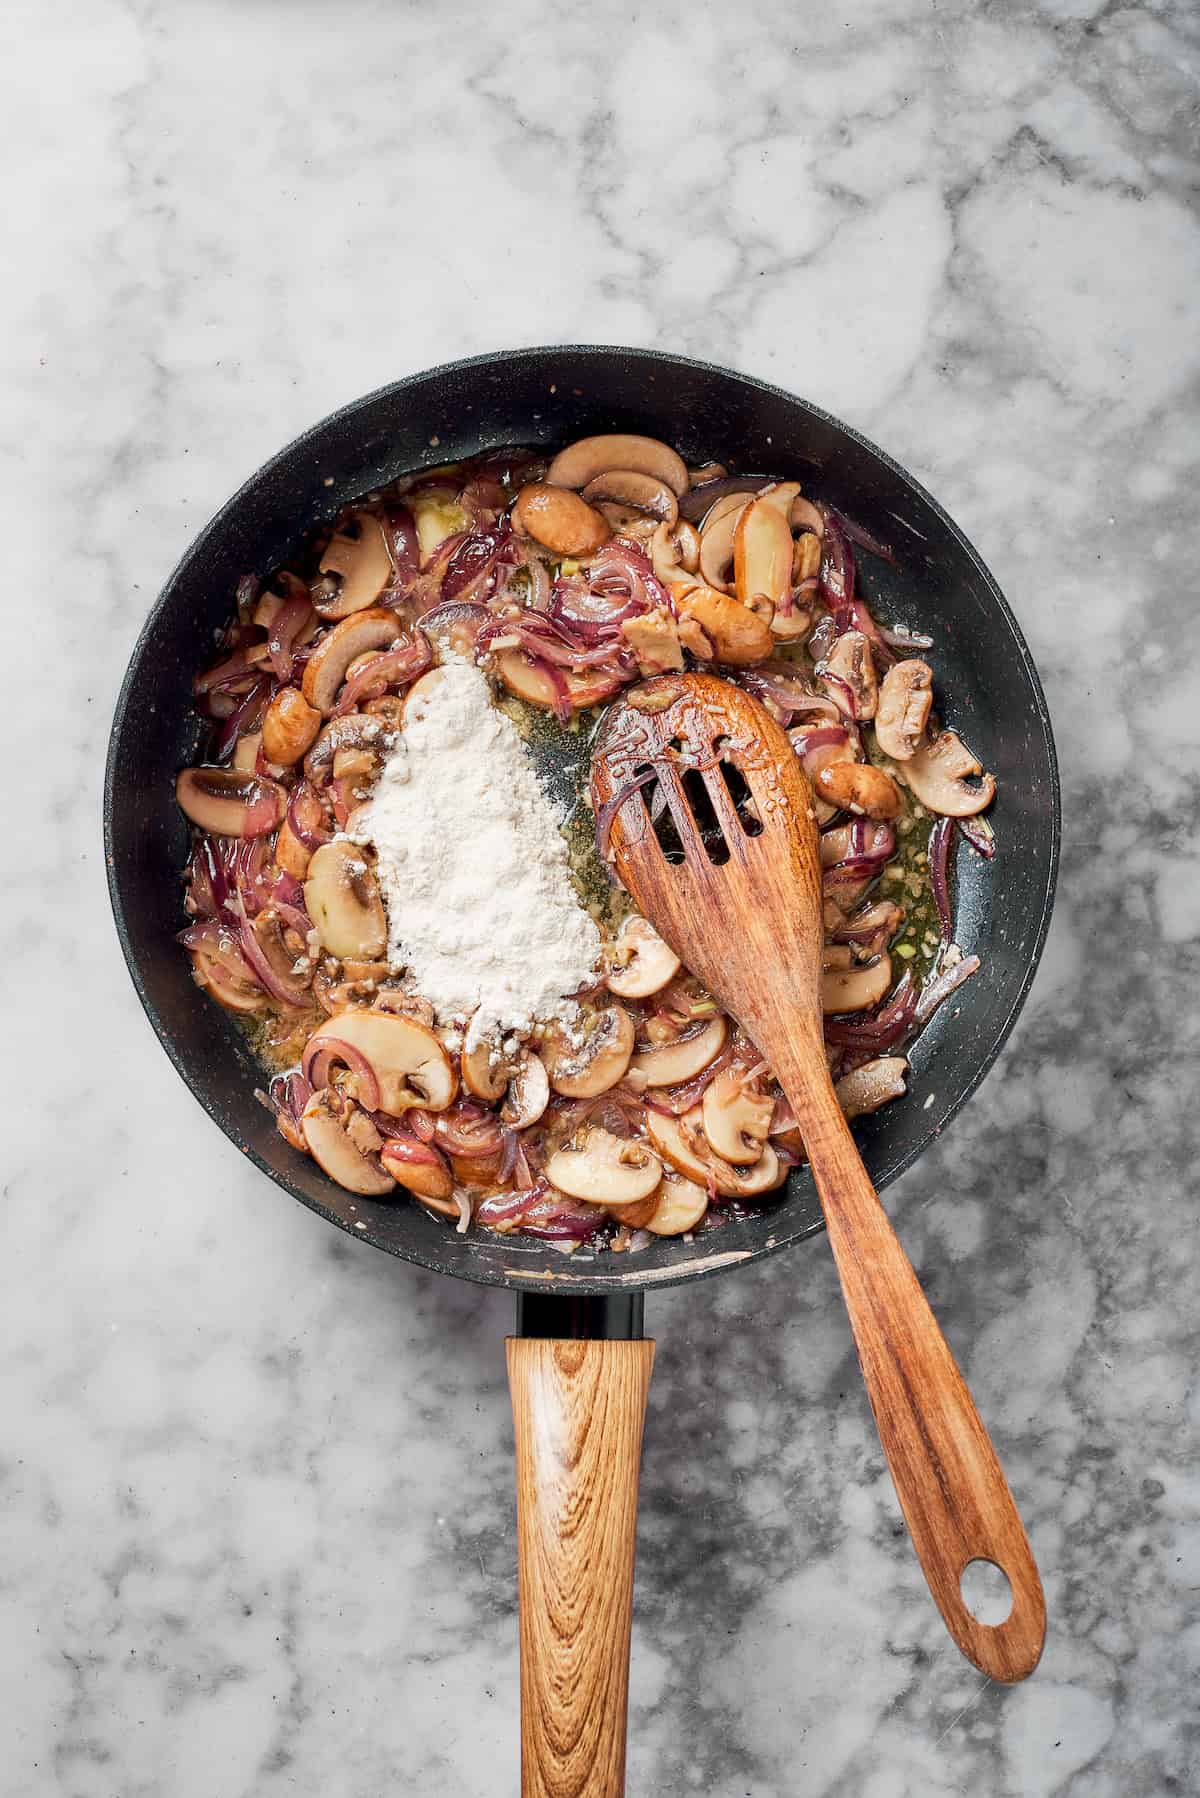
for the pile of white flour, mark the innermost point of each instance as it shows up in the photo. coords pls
(472, 866)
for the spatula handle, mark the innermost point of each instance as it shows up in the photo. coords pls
(951, 1488)
(578, 1412)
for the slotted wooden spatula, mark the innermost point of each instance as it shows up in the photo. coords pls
(740, 902)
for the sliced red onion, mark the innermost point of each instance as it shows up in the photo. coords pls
(289, 1093)
(822, 640)
(236, 667)
(843, 695)
(394, 668)
(675, 1100)
(936, 991)
(323, 1053)
(779, 684)
(697, 500)
(838, 571)
(287, 992)
(555, 1219)
(303, 804)
(469, 1130)
(863, 538)
(245, 716)
(289, 622)
(980, 836)
(403, 546)
(941, 841)
(877, 1030)
(540, 585)
(470, 569)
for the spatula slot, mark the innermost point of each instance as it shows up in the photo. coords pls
(743, 799)
(708, 825)
(658, 812)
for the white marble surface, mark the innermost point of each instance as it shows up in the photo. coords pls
(258, 1526)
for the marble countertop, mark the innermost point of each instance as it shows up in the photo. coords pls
(258, 1524)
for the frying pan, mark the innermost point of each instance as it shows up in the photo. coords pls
(579, 1367)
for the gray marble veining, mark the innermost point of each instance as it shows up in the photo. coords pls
(257, 1524)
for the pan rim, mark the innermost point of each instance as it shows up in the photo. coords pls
(709, 1258)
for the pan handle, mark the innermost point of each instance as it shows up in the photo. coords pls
(579, 1404)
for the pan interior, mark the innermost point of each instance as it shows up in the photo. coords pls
(987, 686)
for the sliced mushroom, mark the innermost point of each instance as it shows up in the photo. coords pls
(290, 727)
(782, 495)
(437, 515)
(806, 557)
(560, 520)
(822, 746)
(940, 774)
(326, 668)
(355, 731)
(484, 1072)
(330, 1146)
(230, 804)
(342, 897)
(852, 683)
(736, 1120)
(671, 1063)
(285, 972)
(644, 962)
(581, 462)
(355, 569)
(717, 534)
(409, 1063)
(223, 973)
(675, 552)
(581, 1069)
(528, 1093)
(654, 639)
(903, 710)
(762, 555)
(604, 1169)
(420, 1169)
(682, 1142)
(681, 1205)
(870, 930)
(525, 680)
(847, 985)
(858, 787)
(292, 855)
(874, 1084)
(635, 505)
(738, 634)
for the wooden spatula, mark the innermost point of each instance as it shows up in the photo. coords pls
(740, 902)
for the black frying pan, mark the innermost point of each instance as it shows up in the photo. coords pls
(987, 683)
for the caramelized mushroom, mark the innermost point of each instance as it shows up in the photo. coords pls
(421, 1170)
(407, 1061)
(342, 897)
(484, 1073)
(355, 569)
(604, 1169)
(582, 1069)
(675, 552)
(228, 803)
(560, 520)
(654, 639)
(635, 505)
(670, 1063)
(681, 1205)
(941, 773)
(847, 985)
(645, 963)
(326, 667)
(581, 462)
(526, 680)
(736, 1120)
(717, 535)
(528, 1093)
(848, 676)
(858, 787)
(903, 710)
(737, 633)
(874, 1084)
(289, 728)
(762, 554)
(355, 731)
(682, 1142)
(245, 753)
(332, 1149)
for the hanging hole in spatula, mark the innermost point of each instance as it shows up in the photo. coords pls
(986, 1592)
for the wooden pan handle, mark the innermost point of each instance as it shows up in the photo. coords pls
(578, 1412)
(952, 1490)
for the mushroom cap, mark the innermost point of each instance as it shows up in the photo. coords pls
(671, 1063)
(736, 1120)
(409, 1062)
(681, 1205)
(633, 503)
(902, 711)
(228, 803)
(584, 1070)
(847, 985)
(560, 520)
(582, 461)
(331, 1148)
(604, 1169)
(762, 554)
(528, 1093)
(342, 898)
(326, 668)
(940, 774)
(357, 556)
(650, 965)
